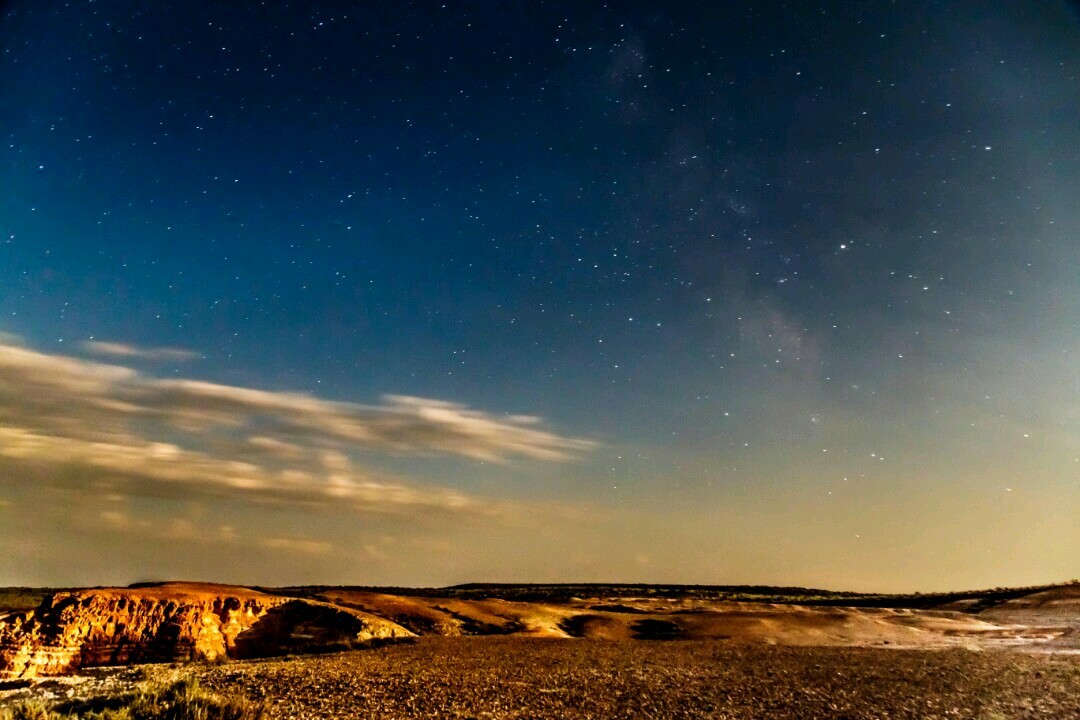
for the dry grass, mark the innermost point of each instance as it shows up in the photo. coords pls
(184, 700)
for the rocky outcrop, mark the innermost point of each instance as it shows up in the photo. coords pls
(167, 623)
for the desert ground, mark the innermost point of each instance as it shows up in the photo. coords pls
(553, 651)
(508, 677)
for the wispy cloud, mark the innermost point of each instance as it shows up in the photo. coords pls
(134, 352)
(187, 530)
(170, 529)
(83, 425)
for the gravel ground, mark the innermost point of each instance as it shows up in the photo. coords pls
(533, 678)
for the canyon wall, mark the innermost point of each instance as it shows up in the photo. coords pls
(87, 628)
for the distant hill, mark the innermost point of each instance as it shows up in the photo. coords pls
(562, 592)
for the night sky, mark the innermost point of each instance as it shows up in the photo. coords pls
(413, 293)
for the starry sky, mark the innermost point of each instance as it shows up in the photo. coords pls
(422, 293)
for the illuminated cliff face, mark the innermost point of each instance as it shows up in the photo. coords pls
(90, 628)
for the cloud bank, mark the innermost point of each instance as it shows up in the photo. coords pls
(89, 426)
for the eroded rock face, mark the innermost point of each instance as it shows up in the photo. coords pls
(89, 628)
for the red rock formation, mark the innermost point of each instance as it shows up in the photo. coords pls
(172, 622)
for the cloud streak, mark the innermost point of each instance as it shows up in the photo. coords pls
(84, 425)
(186, 530)
(134, 352)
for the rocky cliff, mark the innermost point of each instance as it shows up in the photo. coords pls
(172, 622)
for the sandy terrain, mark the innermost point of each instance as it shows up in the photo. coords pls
(1051, 610)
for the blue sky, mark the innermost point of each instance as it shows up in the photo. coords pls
(755, 295)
